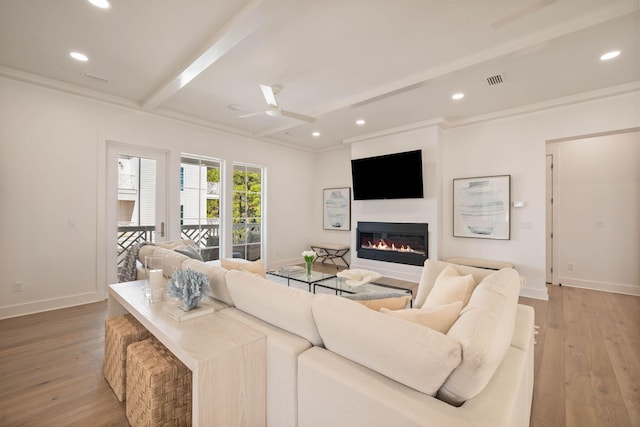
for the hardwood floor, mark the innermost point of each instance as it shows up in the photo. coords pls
(587, 369)
(51, 370)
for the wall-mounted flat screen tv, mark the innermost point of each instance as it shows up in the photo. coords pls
(392, 176)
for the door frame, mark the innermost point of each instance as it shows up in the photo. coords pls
(552, 213)
(108, 151)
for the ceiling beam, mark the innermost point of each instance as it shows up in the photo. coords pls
(233, 32)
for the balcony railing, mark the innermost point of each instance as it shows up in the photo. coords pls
(206, 237)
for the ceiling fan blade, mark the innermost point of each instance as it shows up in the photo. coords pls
(519, 14)
(302, 117)
(244, 116)
(269, 95)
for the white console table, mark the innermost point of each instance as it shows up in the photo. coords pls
(227, 359)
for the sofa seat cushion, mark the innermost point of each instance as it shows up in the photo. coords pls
(335, 391)
(410, 354)
(485, 330)
(282, 306)
(439, 318)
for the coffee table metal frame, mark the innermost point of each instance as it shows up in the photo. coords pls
(301, 276)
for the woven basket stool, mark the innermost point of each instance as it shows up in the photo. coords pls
(158, 386)
(119, 332)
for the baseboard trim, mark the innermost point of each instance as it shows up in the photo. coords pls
(32, 307)
(535, 293)
(616, 288)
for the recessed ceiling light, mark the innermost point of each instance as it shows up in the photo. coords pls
(79, 56)
(235, 107)
(457, 96)
(360, 122)
(610, 55)
(316, 134)
(102, 4)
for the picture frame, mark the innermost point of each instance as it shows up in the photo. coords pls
(336, 208)
(482, 207)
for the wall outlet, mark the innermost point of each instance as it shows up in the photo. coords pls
(17, 286)
(570, 267)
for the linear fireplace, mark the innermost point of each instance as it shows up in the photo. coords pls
(402, 243)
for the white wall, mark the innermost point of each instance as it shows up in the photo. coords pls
(49, 151)
(516, 146)
(333, 170)
(426, 210)
(597, 201)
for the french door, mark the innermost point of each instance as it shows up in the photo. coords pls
(136, 201)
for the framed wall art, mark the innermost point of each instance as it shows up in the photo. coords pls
(481, 207)
(336, 206)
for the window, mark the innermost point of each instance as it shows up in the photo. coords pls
(200, 186)
(247, 211)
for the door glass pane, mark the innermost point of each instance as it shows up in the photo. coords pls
(136, 202)
(200, 186)
(247, 212)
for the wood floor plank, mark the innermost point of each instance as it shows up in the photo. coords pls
(548, 407)
(622, 348)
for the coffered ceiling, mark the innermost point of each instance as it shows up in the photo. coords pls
(393, 63)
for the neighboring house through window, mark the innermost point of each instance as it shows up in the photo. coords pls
(200, 185)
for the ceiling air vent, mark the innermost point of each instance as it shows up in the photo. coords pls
(495, 80)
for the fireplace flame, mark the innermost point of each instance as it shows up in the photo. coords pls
(383, 246)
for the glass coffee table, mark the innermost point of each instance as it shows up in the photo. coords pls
(298, 274)
(369, 290)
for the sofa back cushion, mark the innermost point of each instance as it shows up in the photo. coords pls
(217, 279)
(408, 353)
(282, 306)
(485, 330)
(431, 271)
(171, 260)
(255, 267)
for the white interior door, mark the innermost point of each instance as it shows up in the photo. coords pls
(136, 201)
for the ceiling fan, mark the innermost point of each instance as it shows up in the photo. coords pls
(273, 109)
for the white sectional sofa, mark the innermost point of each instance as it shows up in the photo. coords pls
(334, 362)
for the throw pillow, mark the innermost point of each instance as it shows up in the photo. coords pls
(449, 287)
(410, 354)
(189, 251)
(256, 267)
(439, 318)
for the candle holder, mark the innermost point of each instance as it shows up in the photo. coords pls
(154, 286)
